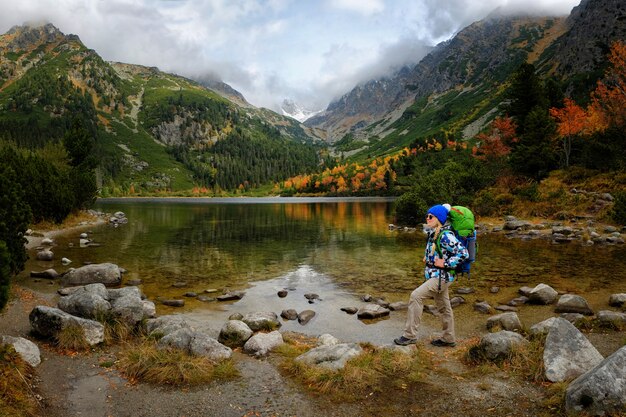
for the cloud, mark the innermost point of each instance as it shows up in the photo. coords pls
(268, 49)
(365, 7)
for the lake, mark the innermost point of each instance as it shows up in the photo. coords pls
(340, 249)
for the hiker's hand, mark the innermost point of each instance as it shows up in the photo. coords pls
(424, 259)
(439, 263)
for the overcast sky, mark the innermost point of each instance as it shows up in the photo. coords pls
(309, 50)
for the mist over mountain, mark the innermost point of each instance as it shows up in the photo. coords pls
(460, 82)
(294, 110)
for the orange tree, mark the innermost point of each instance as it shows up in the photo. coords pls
(570, 122)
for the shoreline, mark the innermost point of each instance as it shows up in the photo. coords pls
(36, 236)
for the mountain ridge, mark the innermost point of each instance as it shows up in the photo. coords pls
(153, 130)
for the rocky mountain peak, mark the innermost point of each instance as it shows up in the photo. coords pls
(592, 27)
(20, 38)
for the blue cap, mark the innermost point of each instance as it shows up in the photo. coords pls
(440, 212)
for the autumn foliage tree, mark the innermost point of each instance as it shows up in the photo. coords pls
(608, 101)
(497, 142)
(570, 120)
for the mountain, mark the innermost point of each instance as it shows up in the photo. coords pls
(292, 109)
(152, 130)
(459, 86)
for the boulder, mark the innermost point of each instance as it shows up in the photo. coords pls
(327, 340)
(131, 309)
(65, 261)
(350, 310)
(46, 241)
(234, 333)
(173, 303)
(567, 353)
(525, 291)
(261, 321)
(262, 343)
(464, 290)
(195, 343)
(398, 305)
(44, 255)
(202, 344)
(89, 301)
(512, 223)
(235, 316)
(332, 357)
(24, 347)
(572, 317)
(506, 308)
(601, 390)
(165, 325)
(49, 321)
(617, 300)
(47, 274)
(571, 303)
(289, 314)
(610, 318)
(372, 311)
(542, 294)
(483, 307)
(500, 345)
(282, 293)
(542, 327)
(305, 316)
(457, 301)
(230, 296)
(505, 321)
(107, 273)
(115, 293)
(518, 301)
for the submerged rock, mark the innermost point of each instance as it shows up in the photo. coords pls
(372, 311)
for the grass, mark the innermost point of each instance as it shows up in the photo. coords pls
(375, 370)
(144, 362)
(524, 361)
(16, 396)
(72, 338)
(73, 220)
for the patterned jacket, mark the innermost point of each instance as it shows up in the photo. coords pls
(454, 253)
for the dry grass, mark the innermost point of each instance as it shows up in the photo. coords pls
(74, 219)
(72, 338)
(375, 370)
(144, 362)
(525, 362)
(117, 330)
(16, 396)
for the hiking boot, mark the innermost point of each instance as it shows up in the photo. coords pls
(442, 343)
(404, 341)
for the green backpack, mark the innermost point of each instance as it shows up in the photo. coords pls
(461, 220)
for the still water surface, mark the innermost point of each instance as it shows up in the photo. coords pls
(340, 249)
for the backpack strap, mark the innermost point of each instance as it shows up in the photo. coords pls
(451, 271)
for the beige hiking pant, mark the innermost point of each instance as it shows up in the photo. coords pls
(416, 306)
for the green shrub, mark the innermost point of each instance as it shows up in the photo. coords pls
(410, 209)
(618, 213)
(529, 192)
(484, 204)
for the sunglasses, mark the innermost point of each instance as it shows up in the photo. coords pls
(429, 217)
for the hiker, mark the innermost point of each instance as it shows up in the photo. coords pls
(443, 253)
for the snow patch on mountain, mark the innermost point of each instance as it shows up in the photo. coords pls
(292, 109)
